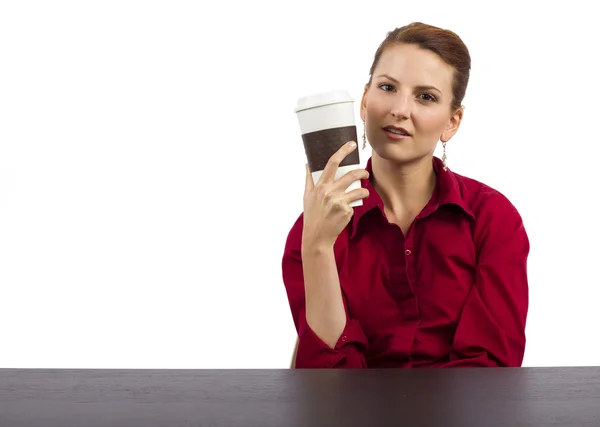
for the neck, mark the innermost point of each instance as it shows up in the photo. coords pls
(403, 187)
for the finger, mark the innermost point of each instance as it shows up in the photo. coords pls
(335, 160)
(309, 185)
(349, 177)
(357, 194)
(341, 205)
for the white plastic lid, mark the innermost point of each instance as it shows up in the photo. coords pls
(324, 98)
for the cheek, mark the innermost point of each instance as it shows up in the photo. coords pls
(430, 122)
(378, 112)
(378, 105)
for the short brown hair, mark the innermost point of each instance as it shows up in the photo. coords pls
(446, 44)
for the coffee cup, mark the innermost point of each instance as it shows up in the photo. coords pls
(326, 123)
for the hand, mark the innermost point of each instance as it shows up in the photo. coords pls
(326, 205)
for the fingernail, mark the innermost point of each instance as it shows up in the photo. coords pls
(352, 144)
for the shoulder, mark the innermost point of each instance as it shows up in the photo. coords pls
(293, 243)
(482, 200)
(496, 217)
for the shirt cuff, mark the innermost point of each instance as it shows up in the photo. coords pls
(347, 353)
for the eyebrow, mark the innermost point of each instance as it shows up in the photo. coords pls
(422, 87)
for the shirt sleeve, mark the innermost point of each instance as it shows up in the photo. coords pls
(491, 329)
(312, 352)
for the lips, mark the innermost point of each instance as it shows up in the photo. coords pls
(395, 130)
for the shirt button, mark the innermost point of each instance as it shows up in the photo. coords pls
(407, 252)
(344, 338)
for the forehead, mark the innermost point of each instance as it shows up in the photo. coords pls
(411, 65)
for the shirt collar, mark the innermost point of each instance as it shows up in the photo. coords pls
(447, 191)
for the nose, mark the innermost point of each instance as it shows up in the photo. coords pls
(401, 107)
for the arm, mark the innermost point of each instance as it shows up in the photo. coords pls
(325, 312)
(491, 329)
(326, 337)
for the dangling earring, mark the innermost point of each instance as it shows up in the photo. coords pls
(444, 158)
(364, 136)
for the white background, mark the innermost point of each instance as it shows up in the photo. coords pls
(151, 167)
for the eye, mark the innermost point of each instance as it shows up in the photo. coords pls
(427, 97)
(386, 87)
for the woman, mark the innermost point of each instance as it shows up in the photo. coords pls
(431, 270)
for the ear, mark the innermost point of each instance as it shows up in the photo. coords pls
(453, 125)
(363, 104)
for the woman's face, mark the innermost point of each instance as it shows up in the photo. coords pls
(406, 108)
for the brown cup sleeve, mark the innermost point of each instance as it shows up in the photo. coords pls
(321, 145)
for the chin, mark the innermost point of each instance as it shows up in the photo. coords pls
(396, 154)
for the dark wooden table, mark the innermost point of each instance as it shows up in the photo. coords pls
(262, 398)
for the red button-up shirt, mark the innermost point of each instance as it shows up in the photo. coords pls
(452, 292)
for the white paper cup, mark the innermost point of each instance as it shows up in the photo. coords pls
(326, 123)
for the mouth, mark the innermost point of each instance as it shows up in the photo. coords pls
(396, 131)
